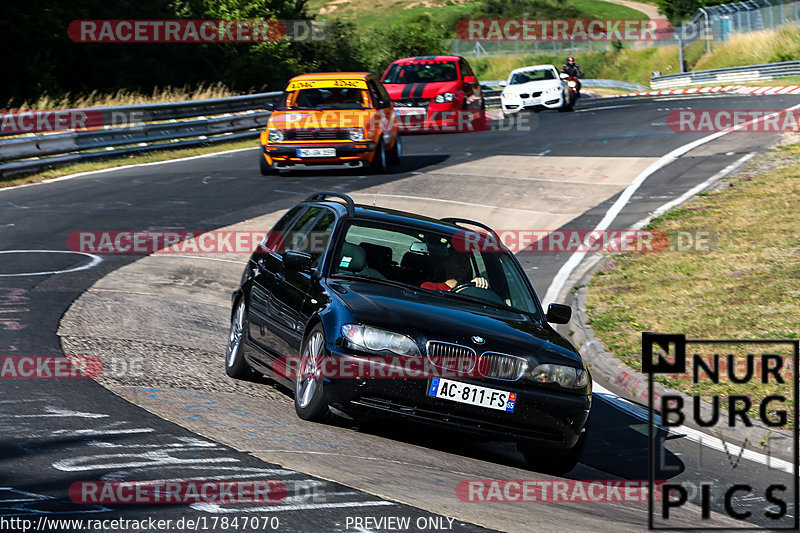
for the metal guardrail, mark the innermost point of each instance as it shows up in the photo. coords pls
(729, 75)
(491, 91)
(158, 126)
(166, 125)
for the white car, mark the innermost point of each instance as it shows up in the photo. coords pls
(534, 88)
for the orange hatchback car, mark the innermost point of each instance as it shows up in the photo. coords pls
(331, 119)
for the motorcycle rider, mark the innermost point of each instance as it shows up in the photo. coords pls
(572, 70)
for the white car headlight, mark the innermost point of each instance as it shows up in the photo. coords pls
(275, 136)
(507, 96)
(566, 376)
(552, 90)
(356, 134)
(444, 97)
(379, 340)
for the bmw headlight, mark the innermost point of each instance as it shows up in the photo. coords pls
(356, 134)
(378, 340)
(444, 97)
(275, 136)
(552, 90)
(566, 376)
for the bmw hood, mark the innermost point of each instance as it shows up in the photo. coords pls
(532, 86)
(427, 316)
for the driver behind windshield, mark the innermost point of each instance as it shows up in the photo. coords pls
(458, 271)
(328, 98)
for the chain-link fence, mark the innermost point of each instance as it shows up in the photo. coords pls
(712, 24)
(744, 17)
(490, 48)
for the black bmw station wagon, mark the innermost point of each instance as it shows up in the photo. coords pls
(457, 324)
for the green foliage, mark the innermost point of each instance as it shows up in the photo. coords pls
(526, 9)
(49, 62)
(53, 64)
(679, 10)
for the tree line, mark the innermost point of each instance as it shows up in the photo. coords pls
(39, 57)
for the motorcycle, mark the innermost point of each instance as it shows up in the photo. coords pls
(574, 86)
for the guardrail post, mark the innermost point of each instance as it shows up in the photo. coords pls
(771, 15)
(708, 31)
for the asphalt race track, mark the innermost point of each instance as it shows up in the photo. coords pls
(559, 171)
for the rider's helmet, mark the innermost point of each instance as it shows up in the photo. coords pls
(570, 60)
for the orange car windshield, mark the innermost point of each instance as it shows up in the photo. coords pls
(326, 98)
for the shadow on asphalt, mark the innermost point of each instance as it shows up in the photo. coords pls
(409, 163)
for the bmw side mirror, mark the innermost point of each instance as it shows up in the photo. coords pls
(503, 83)
(564, 75)
(558, 313)
(296, 261)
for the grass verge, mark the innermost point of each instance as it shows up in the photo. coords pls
(747, 286)
(146, 157)
(125, 97)
(377, 13)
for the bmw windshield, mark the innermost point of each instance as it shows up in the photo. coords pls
(447, 264)
(518, 78)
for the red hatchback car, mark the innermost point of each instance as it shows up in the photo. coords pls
(435, 93)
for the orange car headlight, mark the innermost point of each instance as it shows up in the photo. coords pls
(356, 134)
(275, 136)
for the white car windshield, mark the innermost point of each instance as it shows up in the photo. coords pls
(526, 76)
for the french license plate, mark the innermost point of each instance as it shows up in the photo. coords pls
(460, 392)
(316, 152)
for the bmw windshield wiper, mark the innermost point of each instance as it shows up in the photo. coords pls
(382, 281)
(487, 303)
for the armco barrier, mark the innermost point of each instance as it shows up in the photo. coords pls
(492, 89)
(728, 76)
(164, 125)
(167, 125)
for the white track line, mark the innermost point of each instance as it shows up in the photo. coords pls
(95, 260)
(693, 435)
(694, 190)
(561, 277)
(575, 259)
(111, 169)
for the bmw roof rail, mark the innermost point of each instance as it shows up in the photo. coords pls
(457, 221)
(351, 206)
